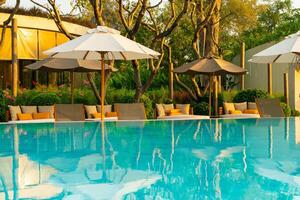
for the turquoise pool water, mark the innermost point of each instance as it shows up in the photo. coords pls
(208, 159)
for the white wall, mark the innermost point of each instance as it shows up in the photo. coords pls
(257, 76)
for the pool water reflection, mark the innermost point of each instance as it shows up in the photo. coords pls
(207, 159)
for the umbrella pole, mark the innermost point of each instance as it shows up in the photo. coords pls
(102, 85)
(216, 95)
(72, 86)
(209, 100)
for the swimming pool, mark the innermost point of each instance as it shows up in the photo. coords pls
(207, 159)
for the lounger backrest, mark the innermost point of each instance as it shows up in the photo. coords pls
(130, 111)
(269, 108)
(69, 112)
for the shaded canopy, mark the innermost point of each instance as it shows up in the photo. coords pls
(102, 43)
(210, 66)
(102, 40)
(286, 51)
(75, 65)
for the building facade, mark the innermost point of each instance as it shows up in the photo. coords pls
(34, 36)
(257, 76)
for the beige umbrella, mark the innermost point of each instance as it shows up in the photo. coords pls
(72, 65)
(102, 43)
(212, 67)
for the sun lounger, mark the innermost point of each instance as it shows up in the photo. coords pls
(130, 111)
(32, 110)
(69, 112)
(90, 110)
(161, 112)
(269, 108)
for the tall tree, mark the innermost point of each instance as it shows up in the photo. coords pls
(204, 17)
(142, 14)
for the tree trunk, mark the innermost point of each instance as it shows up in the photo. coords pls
(138, 81)
(212, 32)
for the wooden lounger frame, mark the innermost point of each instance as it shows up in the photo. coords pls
(269, 108)
(130, 111)
(69, 112)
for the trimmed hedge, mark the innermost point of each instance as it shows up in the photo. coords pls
(250, 95)
(45, 99)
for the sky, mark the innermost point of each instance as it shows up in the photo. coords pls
(64, 5)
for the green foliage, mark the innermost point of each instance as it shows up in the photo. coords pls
(149, 106)
(127, 96)
(24, 97)
(159, 95)
(5, 100)
(229, 95)
(250, 95)
(274, 21)
(201, 108)
(84, 96)
(43, 99)
(286, 109)
(295, 113)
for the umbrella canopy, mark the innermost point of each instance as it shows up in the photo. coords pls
(102, 40)
(286, 51)
(210, 66)
(102, 43)
(75, 65)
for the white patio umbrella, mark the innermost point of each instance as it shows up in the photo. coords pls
(102, 43)
(286, 51)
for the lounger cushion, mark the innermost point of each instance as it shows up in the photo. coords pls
(252, 106)
(249, 111)
(185, 108)
(47, 109)
(24, 116)
(43, 115)
(29, 109)
(90, 110)
(111, 114)
(107, 108)
(14, 111)
(175, 112)
(235, 112)
(160, 110)
(240, 106)
(228, 106)
(167, 108)
(96, 115)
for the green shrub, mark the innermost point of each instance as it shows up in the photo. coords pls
(24, 97)
(5, 100)
(159, 95)
(149, 106)
(119, 96)
(286, 109)
(127, 96)
(250, 95)
(201, 108)
(205, 98)
(84, 96)
(229, 95)
(45, 99)
(295, 113)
